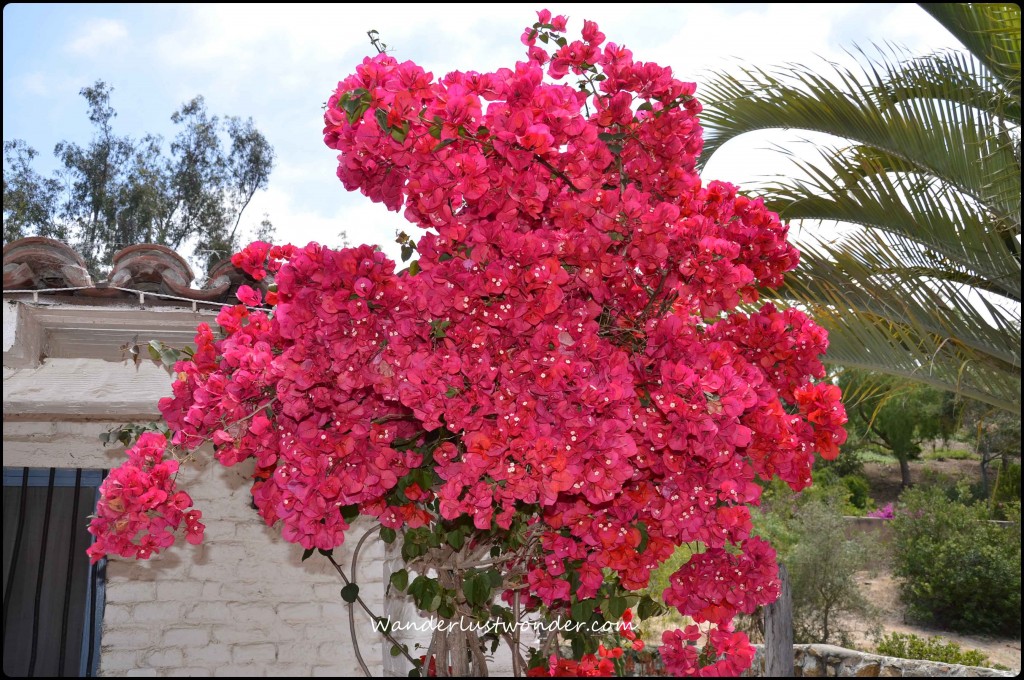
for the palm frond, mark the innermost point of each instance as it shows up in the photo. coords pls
(924, 219)
(938, 136)
(875, 281)
(923, 279)
(990, 31)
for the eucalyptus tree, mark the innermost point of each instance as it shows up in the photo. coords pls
(116, 191)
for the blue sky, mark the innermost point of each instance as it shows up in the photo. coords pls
(278, 64)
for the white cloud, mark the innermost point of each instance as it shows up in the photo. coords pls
(911, 26)
(96, 35)
(362, 220)
(36, 83)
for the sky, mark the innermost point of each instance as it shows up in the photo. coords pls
(279, 63)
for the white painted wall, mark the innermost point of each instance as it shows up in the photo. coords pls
(10, 324)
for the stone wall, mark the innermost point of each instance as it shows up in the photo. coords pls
(817, 661)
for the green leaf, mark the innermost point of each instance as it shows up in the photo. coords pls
(400, 579)
(455, 538)
(646, 106)
(382, 120)
(544, 38)
(407, 250)
(445, 143)
(561, 42)
(582, 610)
(648, 608)
(349, 512)
(615, 236)
(451, 391)
(411, 551)
(326, 553)
(307, 553)
(418, 586)
(396, 650)
(350, 592)
(437, 328)
(388, 535)
(414, 268)
(477, 589)
(616, 607)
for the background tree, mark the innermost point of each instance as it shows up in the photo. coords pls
(925, 281)
(117, 191)
(896, 414)
(996, 436)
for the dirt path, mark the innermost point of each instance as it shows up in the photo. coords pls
(882, 591)
(884, 478)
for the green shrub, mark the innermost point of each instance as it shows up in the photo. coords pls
(851, 493)
(821, 567)
(1007, 488)
(910, 646)
(873, 455)
(951, 454)
(659, 577)
(860, 492)
(849, 462)
(958, 570)
(809, 533)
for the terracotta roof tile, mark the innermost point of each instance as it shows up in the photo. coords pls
(44, 264)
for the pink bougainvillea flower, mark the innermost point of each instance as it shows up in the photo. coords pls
(566, 354)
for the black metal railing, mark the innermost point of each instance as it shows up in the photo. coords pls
(53, 597)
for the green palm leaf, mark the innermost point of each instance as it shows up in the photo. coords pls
(922, 278)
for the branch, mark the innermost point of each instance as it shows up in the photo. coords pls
(554, 171)
(359, 599)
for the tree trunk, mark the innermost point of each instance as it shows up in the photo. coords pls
(904, 473)
(778, 632)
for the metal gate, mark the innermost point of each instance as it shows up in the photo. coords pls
(53, 598)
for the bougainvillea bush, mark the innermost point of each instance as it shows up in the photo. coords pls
(571, 378)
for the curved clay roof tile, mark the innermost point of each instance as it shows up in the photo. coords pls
(37, 263)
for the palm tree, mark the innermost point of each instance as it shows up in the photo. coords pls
(924, 280)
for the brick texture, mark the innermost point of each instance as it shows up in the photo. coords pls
(242, 603)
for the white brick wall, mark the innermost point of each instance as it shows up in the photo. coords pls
(241, 603)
